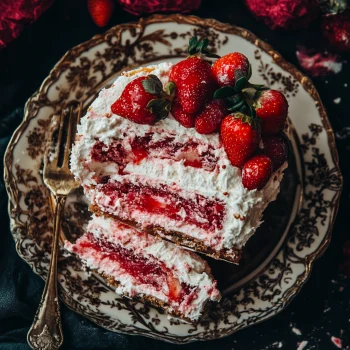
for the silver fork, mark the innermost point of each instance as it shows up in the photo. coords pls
(46, 330)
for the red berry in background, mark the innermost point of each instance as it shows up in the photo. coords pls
(272, 108)
(336, 29)
(185, 119)
(194, 82)
(257, 172)
(101, 11)
(210, 118)
(229, 68)
(276, 148)
(240, 139)
(285, 14)
(140, 7)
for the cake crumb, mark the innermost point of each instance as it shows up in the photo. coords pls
(296, 331)
(337, 342)
(337, 100)
(302, 345)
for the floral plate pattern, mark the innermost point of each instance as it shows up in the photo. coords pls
(252, 294)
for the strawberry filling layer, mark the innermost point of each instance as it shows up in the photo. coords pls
(207, 214)
(147, 271)
(144, 147)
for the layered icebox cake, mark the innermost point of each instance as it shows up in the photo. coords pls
(190, 153)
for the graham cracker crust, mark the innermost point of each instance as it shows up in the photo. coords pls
(149, 300)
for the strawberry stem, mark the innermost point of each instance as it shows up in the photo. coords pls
(196, 46)
(170, 88)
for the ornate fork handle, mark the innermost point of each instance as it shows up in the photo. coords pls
(46, 331)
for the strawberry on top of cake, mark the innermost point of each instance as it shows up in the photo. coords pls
(179, 151)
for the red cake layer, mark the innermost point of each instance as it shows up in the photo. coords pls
(143, 147)
(204, 213)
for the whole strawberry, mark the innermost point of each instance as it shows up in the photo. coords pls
(185, 119)
(240, 136)
(336, 29)
(194, 82)
(256, 172)
(101, 11)
(276, 148)
(210, 118)
(231, 67)
(272, 108)
(143, 100)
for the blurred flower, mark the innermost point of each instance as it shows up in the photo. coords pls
(285, 14)
(141, 7)
(336, 30)
(15, 15)
(318, 63)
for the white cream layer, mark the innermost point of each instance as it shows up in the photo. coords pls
(243, 208)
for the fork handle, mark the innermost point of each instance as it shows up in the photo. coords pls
(46, 330)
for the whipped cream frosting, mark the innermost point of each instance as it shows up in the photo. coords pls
(184, 265)
(244, 208)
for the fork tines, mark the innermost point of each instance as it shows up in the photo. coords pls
(62, 131)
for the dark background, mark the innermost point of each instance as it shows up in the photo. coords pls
(320, 311)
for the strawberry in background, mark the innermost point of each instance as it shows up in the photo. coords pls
(101, 11)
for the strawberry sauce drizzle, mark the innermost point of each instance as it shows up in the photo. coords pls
(200, 211)
(143, 147)
(145, 271)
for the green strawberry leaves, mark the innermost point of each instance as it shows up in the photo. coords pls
(225, 91)
(240, 84)
(241, 97)
(153, 85)
(236, 106)
(170, 88)
(161, 105)
(200, 46)
(240, 100)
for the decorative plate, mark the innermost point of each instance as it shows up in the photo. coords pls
(277, 260)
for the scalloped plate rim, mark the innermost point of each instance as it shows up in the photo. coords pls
(305, 82)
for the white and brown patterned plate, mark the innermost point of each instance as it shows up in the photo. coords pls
(277, 260)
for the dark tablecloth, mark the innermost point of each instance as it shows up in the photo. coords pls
(320, 311)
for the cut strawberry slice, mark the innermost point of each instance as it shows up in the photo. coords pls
(140, 153)
(174, 288)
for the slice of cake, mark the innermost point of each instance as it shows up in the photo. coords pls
(142, 266)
